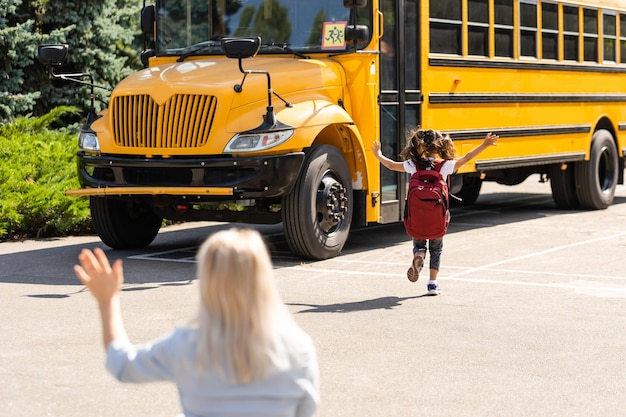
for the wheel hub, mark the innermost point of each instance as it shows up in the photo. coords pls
(331, 203)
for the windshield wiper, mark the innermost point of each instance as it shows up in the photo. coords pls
(284, 48)
(198, 48)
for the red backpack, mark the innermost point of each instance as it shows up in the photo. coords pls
(426, 211)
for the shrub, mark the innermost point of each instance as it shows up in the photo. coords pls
(37, 165)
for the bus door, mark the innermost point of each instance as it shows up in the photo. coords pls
(400, 96)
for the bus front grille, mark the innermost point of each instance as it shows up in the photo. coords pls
(182, 122)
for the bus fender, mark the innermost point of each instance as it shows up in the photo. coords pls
(317, 112)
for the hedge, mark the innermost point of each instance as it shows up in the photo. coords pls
(37, 165)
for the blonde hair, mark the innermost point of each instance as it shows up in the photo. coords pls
(427, 143)
(241, 311)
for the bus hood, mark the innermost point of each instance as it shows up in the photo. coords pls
(194, 107)
(218, 77)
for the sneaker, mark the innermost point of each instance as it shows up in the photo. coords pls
(433, 289)
(414, 271)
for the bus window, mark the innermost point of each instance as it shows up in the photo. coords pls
(298, 24)
(570, 33)
(609, 36)
(622, 37)
(590, 36)
(411, 49)
(549, 31)
(503, 18)
(528, 29)
(388, 47)
(446, 27)
(478, 27)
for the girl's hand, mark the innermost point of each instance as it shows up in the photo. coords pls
(376, 148)
(491, 139)
(95, 273)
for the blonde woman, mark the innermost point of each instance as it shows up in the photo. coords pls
(244, 355)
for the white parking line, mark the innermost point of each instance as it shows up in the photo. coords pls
(540, 253)
(182, 255)
(464, 268)
(555, 274)
(582, 285)
(585, 287)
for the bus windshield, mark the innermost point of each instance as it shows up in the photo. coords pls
(311, 26)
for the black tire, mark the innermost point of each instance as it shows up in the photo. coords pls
(596, 179)
(124, 224)
(469, 191)
(563, 185)
(318, 212)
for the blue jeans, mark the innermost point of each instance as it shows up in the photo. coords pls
(435, 247)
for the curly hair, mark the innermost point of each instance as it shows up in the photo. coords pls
(423, 144)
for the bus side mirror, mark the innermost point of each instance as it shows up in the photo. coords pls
(147, 20)
(52, 55)
(241, 47)
(357, 33)
(146, 55)
(354, 3)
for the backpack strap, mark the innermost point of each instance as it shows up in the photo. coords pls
(437, 166)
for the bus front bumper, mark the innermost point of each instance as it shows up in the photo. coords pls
(212, 178)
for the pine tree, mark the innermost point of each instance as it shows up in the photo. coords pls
(103, 38)
(19, 42)
(100, 35)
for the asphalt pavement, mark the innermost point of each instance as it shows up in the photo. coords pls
(531, 320)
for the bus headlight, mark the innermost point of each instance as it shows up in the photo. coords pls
(88, 141)
(249, 142)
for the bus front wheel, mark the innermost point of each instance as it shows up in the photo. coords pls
(123, 224)
(318, 212)
(596, 179)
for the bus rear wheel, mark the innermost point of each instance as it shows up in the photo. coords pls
(124, 224)
(563, 185)
(596, 179)
(469, 191)
(318, 212)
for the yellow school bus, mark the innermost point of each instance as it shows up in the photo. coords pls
(264, 111)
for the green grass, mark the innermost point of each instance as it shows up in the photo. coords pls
(37, 165)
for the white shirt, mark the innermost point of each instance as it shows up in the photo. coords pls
(446, 169)
(203, 392)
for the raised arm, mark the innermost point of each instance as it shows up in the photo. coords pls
(490, 140)
(105, 283)
(387, 163)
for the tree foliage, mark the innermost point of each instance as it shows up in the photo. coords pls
(103, 38)
(18, 40)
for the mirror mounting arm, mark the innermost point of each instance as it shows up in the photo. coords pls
(239, 87)
(53, 56)
(77, 78)
(241, 48)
